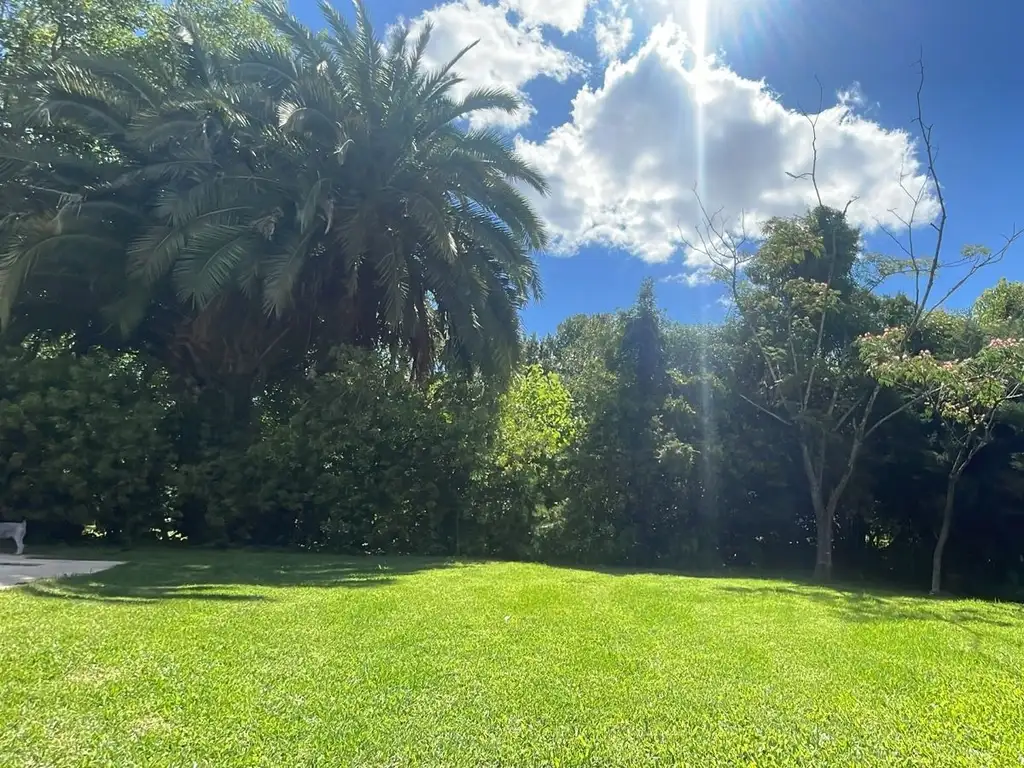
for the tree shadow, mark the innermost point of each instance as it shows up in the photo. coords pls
(852, 602)
(217, 576)
(881, 606)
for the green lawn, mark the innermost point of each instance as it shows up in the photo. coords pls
(238, 659)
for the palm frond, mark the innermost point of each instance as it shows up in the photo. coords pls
(477, 100)
(312, 52)
(40, 240)
(266, 64)
(496, 150)
(154, 252)
(96, 116)
(281, 272)
(118, 72)
(419, 48)
(211, 255)
(315, 201)
(128, 311)
(442, 79)
(509, 205)
(190, 164)
(432, 221)
(393, 280)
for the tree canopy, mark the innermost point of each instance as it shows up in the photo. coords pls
(242, 208)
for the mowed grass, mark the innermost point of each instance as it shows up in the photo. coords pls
(239, 659)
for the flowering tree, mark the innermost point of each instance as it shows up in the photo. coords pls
(803, 291)
(962, 394)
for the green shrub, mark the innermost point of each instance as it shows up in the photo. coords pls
(85, 441)
(362, 461)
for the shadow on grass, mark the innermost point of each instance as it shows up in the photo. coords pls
(852, 602)
(861, 606)
(222, 576)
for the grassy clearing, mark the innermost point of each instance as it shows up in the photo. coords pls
(237, 659)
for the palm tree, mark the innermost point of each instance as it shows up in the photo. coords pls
(256, 208)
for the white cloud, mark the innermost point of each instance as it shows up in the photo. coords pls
(566, 15)
(624, 167)
(690, 279)
(852, 96)
(507, 54)
(613, 30)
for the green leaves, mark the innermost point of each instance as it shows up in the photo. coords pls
(1000, 309)
(357, 460)
(535, 423)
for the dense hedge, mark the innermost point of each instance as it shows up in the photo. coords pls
(362, 461)
(354, 459)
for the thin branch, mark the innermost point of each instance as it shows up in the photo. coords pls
(813, 173)
(848, 413)
(976, 266)
(722, 250)
(830, 253)
(907, 404)
(792, 346)
(767, 411)
(833, 402)
(932, 175)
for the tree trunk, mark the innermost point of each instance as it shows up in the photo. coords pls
(823, 557)
(823, 513)
(947, 524)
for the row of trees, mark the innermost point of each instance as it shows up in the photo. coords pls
(621, 439)
(265, 289)
(838, 422)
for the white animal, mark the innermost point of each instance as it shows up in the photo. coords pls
(14, 531)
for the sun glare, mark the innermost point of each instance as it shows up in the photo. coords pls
(698, 22)
(698, 18)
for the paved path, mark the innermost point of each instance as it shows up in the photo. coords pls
(15, 569)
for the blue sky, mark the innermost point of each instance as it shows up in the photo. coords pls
(634, 103)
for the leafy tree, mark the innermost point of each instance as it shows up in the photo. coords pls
(798, 310)
(999, 310)
(581, 352)
(745, 486)
(35, 31)
(632, 463)
(522, 482)
(802, 296)
(361, 461)
(651, 417)
(962, 394)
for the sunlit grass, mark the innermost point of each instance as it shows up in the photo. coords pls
(232, 659)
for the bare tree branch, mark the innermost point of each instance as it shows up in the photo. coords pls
(976, 266)
(932, 177)
(766, 411)
(813, 173)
